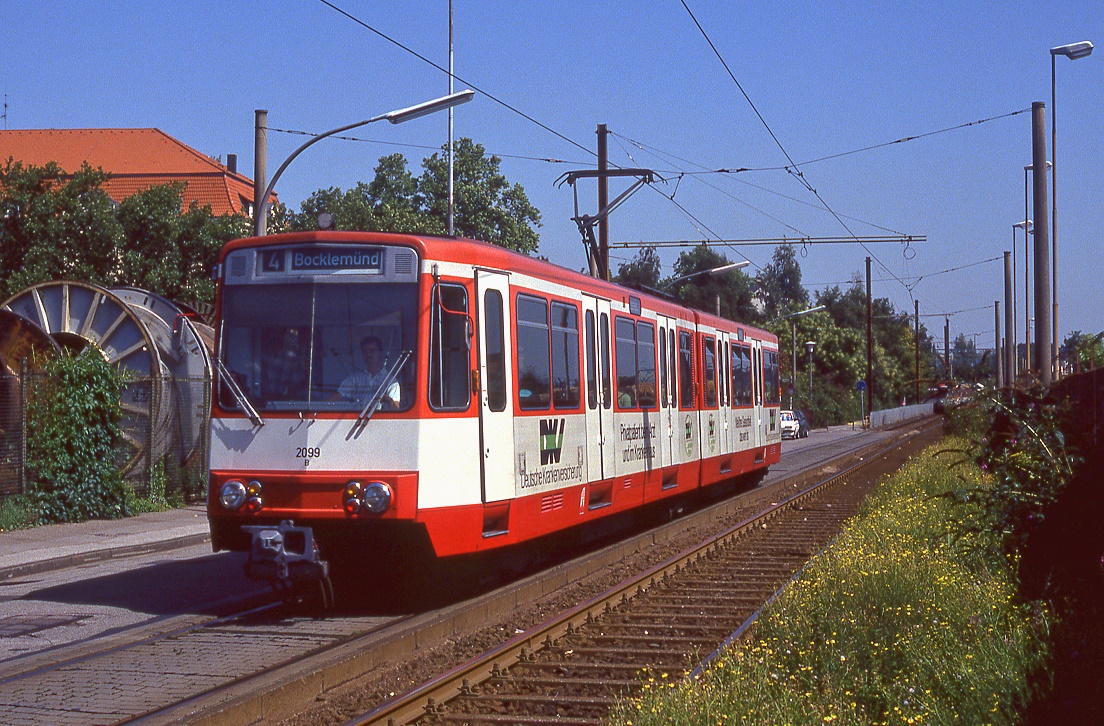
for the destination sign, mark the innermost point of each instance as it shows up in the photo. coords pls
(359, 259)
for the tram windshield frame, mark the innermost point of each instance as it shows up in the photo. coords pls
(319, 343)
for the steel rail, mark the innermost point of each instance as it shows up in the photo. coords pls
(427, 698)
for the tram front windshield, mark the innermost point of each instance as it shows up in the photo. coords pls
(319, 346)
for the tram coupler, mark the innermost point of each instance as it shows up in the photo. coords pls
(286, 555)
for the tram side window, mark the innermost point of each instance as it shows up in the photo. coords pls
(625, 331)
(591, 362)
(686, 370)
(565, 356)
(645, 364)
(496, 351)
(741, 375)
(709, 371)
(449, 364)
(534, 376)
(770, 378)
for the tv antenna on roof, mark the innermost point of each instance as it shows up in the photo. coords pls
(5, 114)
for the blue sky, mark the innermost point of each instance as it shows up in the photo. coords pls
(827, 78)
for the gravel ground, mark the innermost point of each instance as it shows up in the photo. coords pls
(351, 699)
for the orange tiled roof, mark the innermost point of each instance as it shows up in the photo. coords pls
(137, 159)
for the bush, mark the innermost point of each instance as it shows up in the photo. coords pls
(1025, 456)
(896, 622)
(72, 426)
(971, 420)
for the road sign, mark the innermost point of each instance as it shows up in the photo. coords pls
(860, 386)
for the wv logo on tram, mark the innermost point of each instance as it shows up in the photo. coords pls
(551, 440)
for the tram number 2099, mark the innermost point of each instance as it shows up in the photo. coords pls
(306, 453)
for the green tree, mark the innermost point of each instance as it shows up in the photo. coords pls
(1083, 350)
(389, 203)
(169, 251)
(57, 226)
(52, 228)
(733, 287)
(780, 284)
(486, 206)
(642, 271)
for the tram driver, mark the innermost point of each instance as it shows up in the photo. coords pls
(361, 384)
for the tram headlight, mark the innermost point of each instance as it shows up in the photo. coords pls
(376, 497)
(232, 495)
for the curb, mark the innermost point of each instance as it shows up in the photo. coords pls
(99, 555)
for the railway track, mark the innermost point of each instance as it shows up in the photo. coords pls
(665, 622)
(271, 662)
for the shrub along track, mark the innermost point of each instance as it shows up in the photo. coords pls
(662, 623)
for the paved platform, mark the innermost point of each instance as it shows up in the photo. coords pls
(54, 546)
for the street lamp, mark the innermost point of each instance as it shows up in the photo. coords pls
(260, 224)
(722, 268)
(793, 343)
(1073, 51)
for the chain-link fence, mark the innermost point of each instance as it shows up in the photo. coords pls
(163, 444)
(11, 435)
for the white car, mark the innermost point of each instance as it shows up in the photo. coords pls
(790, 425)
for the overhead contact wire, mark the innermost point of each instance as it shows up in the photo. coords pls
(471, 85)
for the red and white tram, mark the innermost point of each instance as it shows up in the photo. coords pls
(393, 391)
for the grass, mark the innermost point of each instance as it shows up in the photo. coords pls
(17, 512)
(899, 621)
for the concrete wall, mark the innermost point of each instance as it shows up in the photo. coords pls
(891, 416)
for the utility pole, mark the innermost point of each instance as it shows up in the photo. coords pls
(947, 349)
(869, 338)
(1042, 244)
(998, 364)
(1009, 359)
(260, 164)
(916, 304)
(603, 201)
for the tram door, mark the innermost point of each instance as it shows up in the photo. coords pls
(496, 408)
(601, 437)
(758, 435)
(668, 389)
(724, 391)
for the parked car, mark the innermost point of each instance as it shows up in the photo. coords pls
(790, 425)
(803, 423)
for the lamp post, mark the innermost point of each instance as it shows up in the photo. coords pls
(1014, 333)
(809, 345)
(793, 342)
(1028, 230)
(1073, 51)
(260, 225)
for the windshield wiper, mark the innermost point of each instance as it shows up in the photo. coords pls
(374, 399)
(239, 395)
